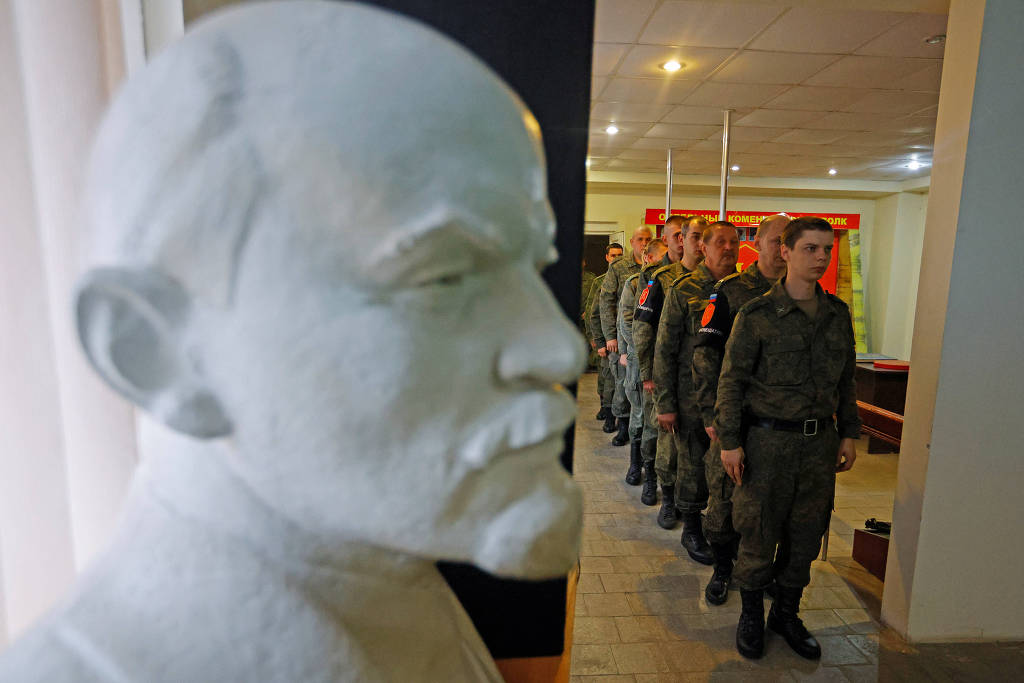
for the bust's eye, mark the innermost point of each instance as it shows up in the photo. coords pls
(448, 280)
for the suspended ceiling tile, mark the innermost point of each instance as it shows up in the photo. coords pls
(596, 86)
(811, 137)
(620, 21)
(609, 145)
(751, 134)
(647, 154)
(646, 60)
(635, 165)
(629, 111)
(663, 144)
(707, 24)
(772, 67)
(906, 39)
(927, 79)
(656, 90)
(816, 99)
(784, 118)
(680, 130)
(733, 95)
(716, 145)
(859, 121)
(700, 115)
(911, 125)
(606, 57)
(817, 29)
(854, 71)
(876, 139)
(894, 102)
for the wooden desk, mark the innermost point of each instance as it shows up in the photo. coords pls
(883, 388)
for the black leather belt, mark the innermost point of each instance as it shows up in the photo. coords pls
(805, 427)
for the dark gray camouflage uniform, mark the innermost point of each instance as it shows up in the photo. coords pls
(611, 289)
(780, 364)
(730, 294)
(674, 391)
(627, 302)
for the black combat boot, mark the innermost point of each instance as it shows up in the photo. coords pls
(649, 493)
(636, 463)
(609, 422)
(783, 620)
(693, 539)
(668, 516)
(603, 413)
(717, 590)
(622, 438)
(750, 629)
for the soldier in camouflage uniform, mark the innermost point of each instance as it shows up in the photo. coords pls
(654, 253)
(682, 236)
(611, 290)
(729, 296)
(788, 369)
(592, 320)
(675, 400)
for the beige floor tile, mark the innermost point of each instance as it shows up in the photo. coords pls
(633, 658)
(689, 656)
(592, 660)
(858, 620)
(615, 678)
(642, 629)
(607, 605)
(595, 631)
(590, 583)
(595, 565)
(620, 583)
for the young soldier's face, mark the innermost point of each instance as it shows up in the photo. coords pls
(691, 240)
(641, 238)
(809, 258)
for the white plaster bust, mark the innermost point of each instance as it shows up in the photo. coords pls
(318, 230)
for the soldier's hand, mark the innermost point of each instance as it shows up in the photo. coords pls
(732, 461)
(622, 360)
(847, 455)
(667, 421)
(649, 386)
(612, 345)
(712, 434)
(593, 346)
(601, 351)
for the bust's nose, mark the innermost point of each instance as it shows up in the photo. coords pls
(542, 347)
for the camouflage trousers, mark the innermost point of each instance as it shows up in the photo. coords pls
(718, 519)
(680, 463)
(620, 404)
(785, 500)
(633, 391)
(649, 435)
(605, 382)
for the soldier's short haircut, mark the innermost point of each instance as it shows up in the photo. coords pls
(677, 218)
(655, 245)
(799, 226)
(705, 236)
(613, 245)
(697, 222)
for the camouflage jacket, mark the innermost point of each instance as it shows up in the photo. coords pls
(673, 349)
(730, 295)
(585, 285)
(625, 317)
(592, 320)
(657, 279)
(780, 364)
(611, 290)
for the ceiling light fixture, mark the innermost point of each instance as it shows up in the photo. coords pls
(832, 171)
(937, 39)
(612, 129)
(914, 165)
(671, 65)
(588, 163)
(734, 168)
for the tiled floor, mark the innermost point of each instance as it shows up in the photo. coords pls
(640, 610)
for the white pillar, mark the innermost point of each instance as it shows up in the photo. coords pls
(71, 458)
(955, 556)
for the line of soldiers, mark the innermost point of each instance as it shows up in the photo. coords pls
(736, 393)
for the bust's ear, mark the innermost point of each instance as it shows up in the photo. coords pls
(131, 324)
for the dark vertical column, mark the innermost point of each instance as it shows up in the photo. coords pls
(542, 48)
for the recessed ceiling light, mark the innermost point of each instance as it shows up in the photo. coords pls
(937, 39)
(734, 168)
(612, 129)
(914, 165)
(588, 162)
(832, 171)
(671, 65)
